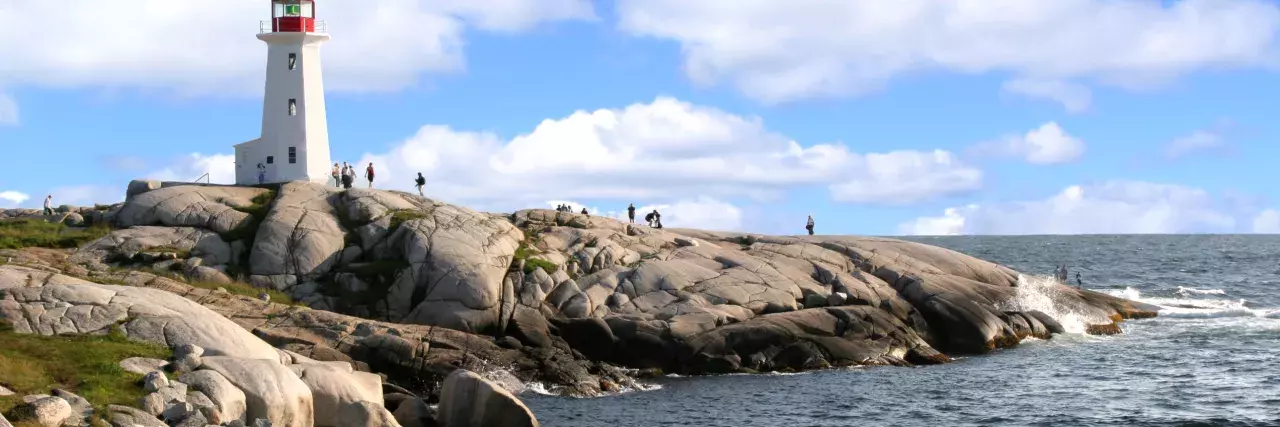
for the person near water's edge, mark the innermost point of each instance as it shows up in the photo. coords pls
(631, 212)
(1079, 283)
(421, 181)
(809, 225)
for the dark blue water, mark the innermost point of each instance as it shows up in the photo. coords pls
(1211, 359)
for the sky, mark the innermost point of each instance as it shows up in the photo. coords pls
(906, 117)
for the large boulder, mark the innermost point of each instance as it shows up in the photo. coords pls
(207, 207)
(468, 400)
(300, 236)
(126, 244)
(272, 391)
(333, 387)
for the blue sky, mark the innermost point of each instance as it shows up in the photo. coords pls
(1058, 116)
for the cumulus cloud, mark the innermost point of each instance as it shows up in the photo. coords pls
(1075, 98)
(1267, 222)
(778, 51)
(1048, 144)
(1197, 141)
(382, 45)
(1117, 207)
(662, 150)
(11, 199)
(8, 110)
(220, 167)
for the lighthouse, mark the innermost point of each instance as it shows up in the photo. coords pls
(294, 145)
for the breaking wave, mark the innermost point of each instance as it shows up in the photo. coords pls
(1198, 308)
(1044, 294)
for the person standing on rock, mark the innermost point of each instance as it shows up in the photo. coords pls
(657, 219)
(1079, 283)
(368, 173)
(631, 212)
(809, 225)
(48, 205)
(347, 176)
(337, 176)
(584, 211)
(421, 181)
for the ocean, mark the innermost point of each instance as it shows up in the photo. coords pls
(1212, 358)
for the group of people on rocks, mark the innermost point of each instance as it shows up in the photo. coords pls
(1060, 273)
(345, 175)
(567, 208)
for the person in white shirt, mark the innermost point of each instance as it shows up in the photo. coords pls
(48, 205)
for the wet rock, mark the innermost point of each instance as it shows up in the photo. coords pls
(468, 400)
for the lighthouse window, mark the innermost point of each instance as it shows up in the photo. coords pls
(293, 155)
(293, 61)
(293, 107)
(271, 159)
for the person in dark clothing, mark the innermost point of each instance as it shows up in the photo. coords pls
(346, 181)
(421, 181)
(1079, 283)
(649, 218)
(657, 219)
(809, 225)
(584, 211)
(631, 213)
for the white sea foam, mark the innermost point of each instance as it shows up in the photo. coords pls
(1044, 294)
(1198, 308)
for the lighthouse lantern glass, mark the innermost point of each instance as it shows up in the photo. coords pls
(294, 8)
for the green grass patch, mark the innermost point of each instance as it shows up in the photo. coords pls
(85, 365)
(533, 263)
(236, 287)
(38, 233)
(400, 216)
(257, 213)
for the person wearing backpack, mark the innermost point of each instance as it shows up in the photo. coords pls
(809, 225)
(421, 181)
(649, 217)
(631, 212)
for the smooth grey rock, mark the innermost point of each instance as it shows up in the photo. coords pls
(332, 387)
(48, 411)
(154, 380)
(5, 392)
(272, 391)
(124, 416)
(189, 206)
(467, 400)
(365, 414)
(187, 363)
(837, 299)
(414, 412)
(142, 365)
(178, 411)
(229, 399)
(187, 349)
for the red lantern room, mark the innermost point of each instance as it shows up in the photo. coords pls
(293, 16)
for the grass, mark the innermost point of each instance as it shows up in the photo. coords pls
(85, 365)
(400, 216)
(261, 205)
(27, 233)
(235, 287)
(534, 263)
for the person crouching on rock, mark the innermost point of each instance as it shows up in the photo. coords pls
(649, 217)
(368, 173)
(809, 225)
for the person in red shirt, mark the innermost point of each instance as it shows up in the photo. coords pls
(368, 173)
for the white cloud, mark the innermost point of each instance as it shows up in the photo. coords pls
(904, 177)
(1197, 141)
(663, 150)
(1117, 207)
(11, 199)
(1075, 98)
(1267, 222)
(784, 50)
(220, 167)
(211, 49)
(8, 110)
(1047, 145)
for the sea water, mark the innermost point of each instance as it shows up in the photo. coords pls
(1212, 358)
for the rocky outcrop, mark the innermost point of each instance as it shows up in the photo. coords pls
(210, 208)
(468, 400)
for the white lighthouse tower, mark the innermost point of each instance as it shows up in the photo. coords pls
(294, 145)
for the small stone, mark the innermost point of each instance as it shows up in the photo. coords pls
(5, 391)
(212, 415)
(221, 290)
(187, 349)
(142, 365)
(178, 412)
(188, 363)
(236, 423)
(152, 404)
(837, 299)
(264, 297)
(193, 419)
(34, 397)
(260, 422)
(154, 380)
(48, 411)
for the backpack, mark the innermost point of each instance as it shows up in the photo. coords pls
(649, 217)
(420, 181)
